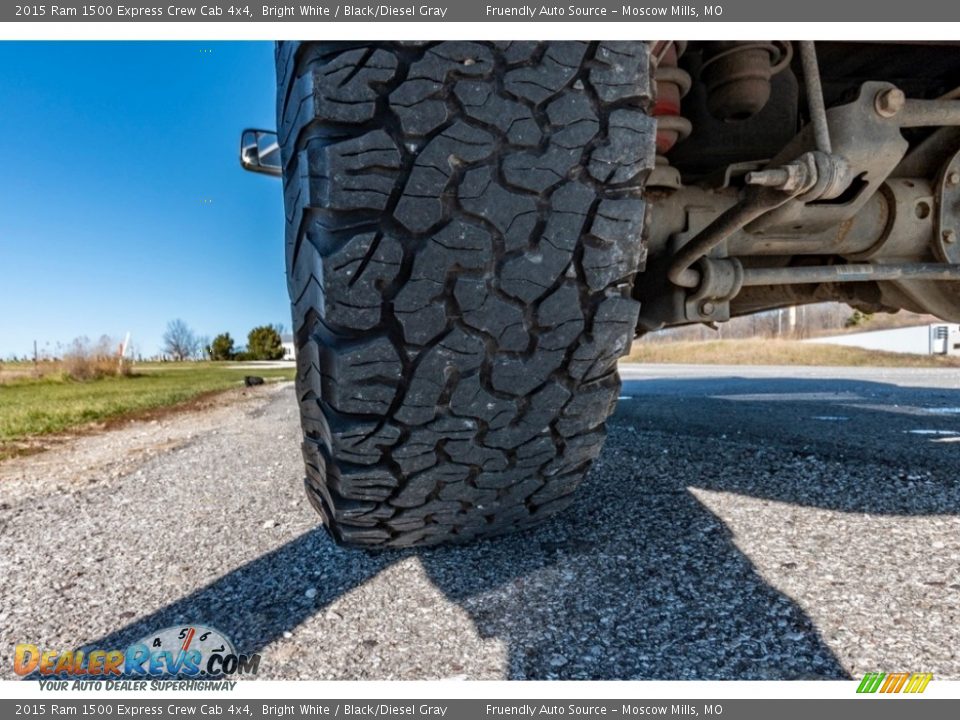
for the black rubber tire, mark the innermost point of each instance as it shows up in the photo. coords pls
(464, 222)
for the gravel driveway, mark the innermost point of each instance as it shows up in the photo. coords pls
(741, 523)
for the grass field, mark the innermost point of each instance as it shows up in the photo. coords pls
(778, 352)
(31, 407)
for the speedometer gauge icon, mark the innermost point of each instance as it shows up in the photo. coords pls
(184, 639)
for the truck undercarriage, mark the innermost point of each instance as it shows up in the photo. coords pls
(789, 174)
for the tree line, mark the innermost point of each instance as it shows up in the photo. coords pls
(181, 343)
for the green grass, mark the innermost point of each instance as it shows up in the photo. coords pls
(777, 352)
(32, 407)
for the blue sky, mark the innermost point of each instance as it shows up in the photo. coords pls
(122, 202)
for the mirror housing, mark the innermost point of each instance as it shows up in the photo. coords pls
(260, 152)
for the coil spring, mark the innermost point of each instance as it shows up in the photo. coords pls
(673, 83)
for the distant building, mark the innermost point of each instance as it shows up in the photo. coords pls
(289, 350)
(935, 339)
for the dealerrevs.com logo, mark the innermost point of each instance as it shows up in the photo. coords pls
(189, 651)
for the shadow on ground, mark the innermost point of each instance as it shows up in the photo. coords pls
(638, 579)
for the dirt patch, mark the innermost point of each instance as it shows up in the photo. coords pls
(108, 449)
(205, 401)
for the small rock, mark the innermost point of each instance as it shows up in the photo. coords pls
(311, 593)
(269, 524)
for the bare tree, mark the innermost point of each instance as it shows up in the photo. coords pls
(179, 340)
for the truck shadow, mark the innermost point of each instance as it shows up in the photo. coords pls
(638, 580)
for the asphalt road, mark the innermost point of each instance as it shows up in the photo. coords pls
(747, 523)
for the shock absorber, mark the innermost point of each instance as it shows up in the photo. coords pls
(673, 82)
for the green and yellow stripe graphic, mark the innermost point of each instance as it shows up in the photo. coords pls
(894, 682)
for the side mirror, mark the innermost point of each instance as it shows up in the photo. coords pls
(260, 152)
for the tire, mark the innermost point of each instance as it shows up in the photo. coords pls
(463, 225)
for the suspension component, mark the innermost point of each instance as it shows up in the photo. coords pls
(813, 175)
(673, 82)
(737, 76)
(815, 103)
(845, 273)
